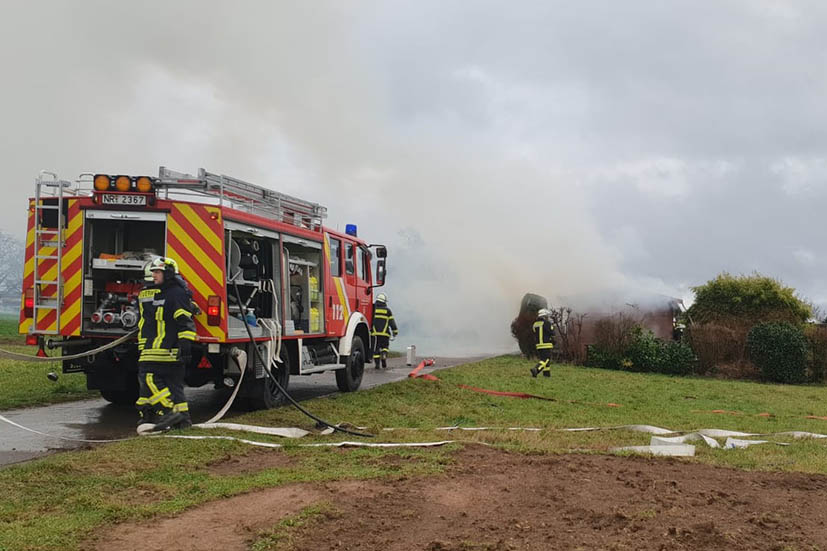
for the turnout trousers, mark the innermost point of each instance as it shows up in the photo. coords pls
(544, 364)
(380, 350)
(161, 390)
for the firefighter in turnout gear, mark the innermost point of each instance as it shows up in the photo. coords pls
(544, 342)
(166, 333)
(384, 327)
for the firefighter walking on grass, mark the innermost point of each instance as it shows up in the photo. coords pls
(544, 342)
(384, 327)
(166, 333)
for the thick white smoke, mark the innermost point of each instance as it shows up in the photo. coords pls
(474, 139)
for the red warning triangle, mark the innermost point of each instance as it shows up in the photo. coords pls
(41, 353)
(204, 363)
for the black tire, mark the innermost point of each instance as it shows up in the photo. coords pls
(263, 393)
(349, 378)
(121, 397)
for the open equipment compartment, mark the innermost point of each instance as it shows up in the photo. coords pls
(117, 247)
(304, 313)
(254, 264)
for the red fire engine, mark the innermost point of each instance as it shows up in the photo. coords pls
(87, 244)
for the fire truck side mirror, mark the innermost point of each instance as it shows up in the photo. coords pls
(381, 251)
(381, 272)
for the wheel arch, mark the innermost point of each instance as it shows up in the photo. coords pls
(357, 326)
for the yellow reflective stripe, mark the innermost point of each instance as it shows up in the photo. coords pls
(187, 335)
(181, 407)
(181, 312)
(141, 322)
(160, 352)
(158, 360)
(538, 326)
(150, 382)
(159, 322)
(544, 346)
(141, 401)
(160, 397)
(381, 311)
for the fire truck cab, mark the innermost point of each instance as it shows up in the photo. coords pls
(304, 289)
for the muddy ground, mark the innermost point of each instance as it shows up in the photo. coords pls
(494, 500)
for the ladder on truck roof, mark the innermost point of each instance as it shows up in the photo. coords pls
(49, 188)
(241, 195)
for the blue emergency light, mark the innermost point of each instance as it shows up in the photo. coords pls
(350, 229)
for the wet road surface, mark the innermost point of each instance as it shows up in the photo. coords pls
(97, 419)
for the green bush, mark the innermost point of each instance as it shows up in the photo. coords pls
(645, 352)
(597, 356)
(677, 358)
(751, 299)
(779, 350)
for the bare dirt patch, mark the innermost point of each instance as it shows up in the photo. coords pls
(493, 500)
(256, 460)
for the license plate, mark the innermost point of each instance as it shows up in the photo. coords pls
(119, 199)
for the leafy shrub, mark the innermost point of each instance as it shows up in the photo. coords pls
(751, 299)
(779, 350)
(597, 356)
(649, 353)
(644, 352)
(677, 358)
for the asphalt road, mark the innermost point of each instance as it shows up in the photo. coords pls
(97, 419)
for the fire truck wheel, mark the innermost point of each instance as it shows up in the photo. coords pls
(264, 394)
(349, 378)
(121, 397)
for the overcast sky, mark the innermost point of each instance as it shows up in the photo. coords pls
(497, 147)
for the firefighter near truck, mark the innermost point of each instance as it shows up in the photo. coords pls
(262, 268)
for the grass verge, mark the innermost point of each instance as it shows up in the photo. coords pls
(56, 502)
(25, 383)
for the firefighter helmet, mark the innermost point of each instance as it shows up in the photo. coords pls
(543, 313)
(168, 265)
(382, 298)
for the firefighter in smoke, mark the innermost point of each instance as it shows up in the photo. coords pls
(384, 327)
(166, 333)
(544, 342)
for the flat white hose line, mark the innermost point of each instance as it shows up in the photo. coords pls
(285, 432)
(240, 358)
(346, 444)
(659, 445)
(26, 358)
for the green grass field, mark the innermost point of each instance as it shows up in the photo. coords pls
(25, 383)
(56, 502)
